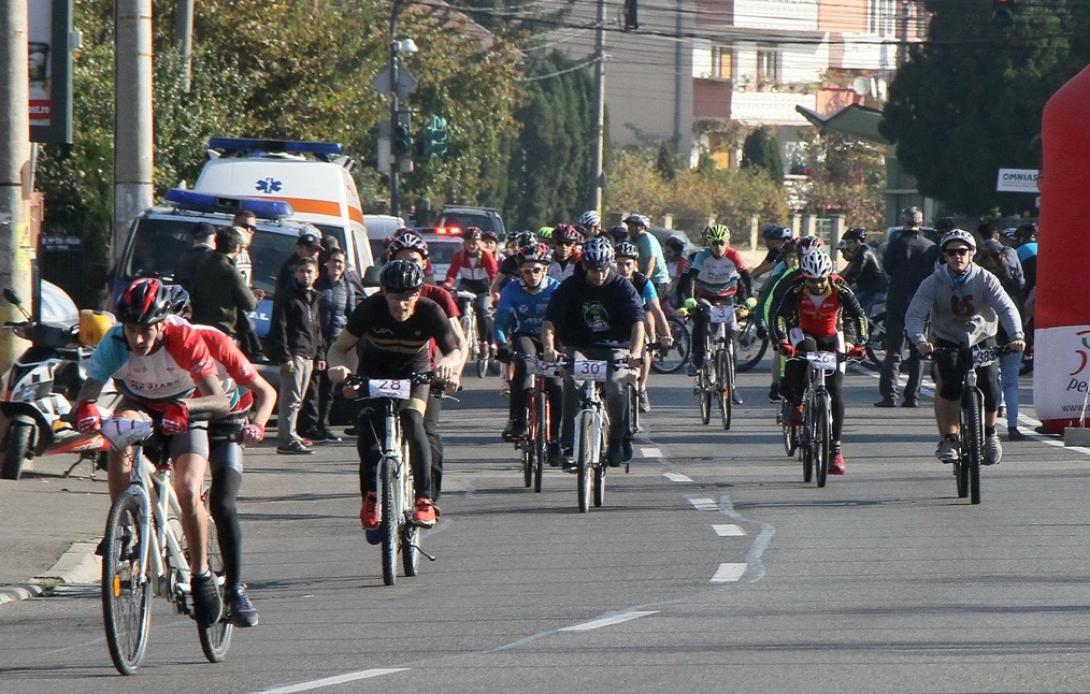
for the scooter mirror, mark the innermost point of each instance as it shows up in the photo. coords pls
(11, 297)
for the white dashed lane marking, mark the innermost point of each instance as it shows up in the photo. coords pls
(334, 681)
(704, 504)
(677, 477)
(728, 573)
(649, 452)
(608, 621)
(729, 530)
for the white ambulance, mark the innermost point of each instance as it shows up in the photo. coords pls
(313, 177)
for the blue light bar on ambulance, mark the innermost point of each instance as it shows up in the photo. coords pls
(208, 202)
(248, 144)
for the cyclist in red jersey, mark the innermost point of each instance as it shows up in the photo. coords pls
(818, 312)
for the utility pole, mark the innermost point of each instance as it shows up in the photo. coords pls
(183, 38)
(903, 13)
(133, 142)
(395, 202)
(599, 105)
(15, 171)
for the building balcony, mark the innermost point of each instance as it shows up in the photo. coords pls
(770, 108)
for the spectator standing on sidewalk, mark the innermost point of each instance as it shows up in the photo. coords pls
(336, 301)
(307, 246)
(908, 261)
(296, 344)
(220, 294)
(992, 257)
(203, 245)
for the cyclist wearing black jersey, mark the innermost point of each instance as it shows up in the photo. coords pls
(390, 332)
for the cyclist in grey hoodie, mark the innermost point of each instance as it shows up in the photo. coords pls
(966, 305)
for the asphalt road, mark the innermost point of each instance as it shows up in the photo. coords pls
(711, 568)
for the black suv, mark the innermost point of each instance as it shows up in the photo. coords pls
(463, 217)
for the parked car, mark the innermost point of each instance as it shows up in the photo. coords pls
(462, 216)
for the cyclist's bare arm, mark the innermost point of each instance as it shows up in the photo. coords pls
(264, 400)
(211, 399)
(635, 345)
(337, 355)
(548, 341)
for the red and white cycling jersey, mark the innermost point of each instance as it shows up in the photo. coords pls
(476, 270)
(170, 372)
(233, 369)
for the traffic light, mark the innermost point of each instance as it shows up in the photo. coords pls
(435, 137)
(631, 15)
(1003, 13)
(403, 140)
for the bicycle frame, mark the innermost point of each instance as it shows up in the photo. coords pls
(591, 405)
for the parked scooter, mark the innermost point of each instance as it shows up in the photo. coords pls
(38, 391)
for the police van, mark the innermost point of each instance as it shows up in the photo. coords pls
(313, 177)
(161, 235)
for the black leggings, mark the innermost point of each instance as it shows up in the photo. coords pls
(948, 370)
(371, 429)
(523, 383)
(793, 385)
(226, 458)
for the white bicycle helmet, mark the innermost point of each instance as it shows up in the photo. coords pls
(590, 218)
(958, 235)
(598, 253)
(816, 264)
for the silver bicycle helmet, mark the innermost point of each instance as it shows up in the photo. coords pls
(590, 218)
(598, 253)
(958, 235)
(816, 264)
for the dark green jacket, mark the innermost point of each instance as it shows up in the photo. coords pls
(218, 293)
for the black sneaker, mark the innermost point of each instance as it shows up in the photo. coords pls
(735, 398)
(352, 431)
(614, 453)
(328, 436)
(774, 394)
(554, 455)
(626, 449)
(293, 448)
(240, 611)
(885, 402)
(207, 606)
(910, 403)
(514, 430)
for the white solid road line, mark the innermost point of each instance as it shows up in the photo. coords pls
(704, 504)
(649, 452)
(677, 477)
(729, 530)
(333, 681)
(728, 573)
(608, 621)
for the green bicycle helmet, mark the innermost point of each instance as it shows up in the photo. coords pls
(717, 232)
(545, 233)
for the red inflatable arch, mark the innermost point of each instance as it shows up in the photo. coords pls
(1062, 317)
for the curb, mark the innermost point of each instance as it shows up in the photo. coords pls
(77, 566)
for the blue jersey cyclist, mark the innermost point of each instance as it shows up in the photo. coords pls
(164, 368)
(517, 331)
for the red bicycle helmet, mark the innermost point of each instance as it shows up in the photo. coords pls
(144, 302)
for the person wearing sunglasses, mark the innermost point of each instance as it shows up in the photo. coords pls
(966, 306)
(517, 331)
(566, 253)
(719, 274)
(818, 313)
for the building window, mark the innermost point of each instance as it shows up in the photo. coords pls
(881, 17)
(722, 62)
(768, 65)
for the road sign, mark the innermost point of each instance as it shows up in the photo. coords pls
(406, 83)
(1017, 181)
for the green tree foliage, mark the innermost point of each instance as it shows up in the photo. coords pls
(550, 176)
(846, 176)
(694, 196)
(970, 100)
(762, 150)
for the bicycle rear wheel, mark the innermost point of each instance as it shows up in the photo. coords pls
(726, 388)
(671, 360)
(584, 469)
(821, 443)
(216, 639)
(972, 437)
(390, 522)
(750, 349)
(126, 593)
(410, 534)
(541, 438)
(484, 356)
(704, 394)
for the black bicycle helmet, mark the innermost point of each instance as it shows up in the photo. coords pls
(626, 249)
(855, 234)
(179, 301)
(400, 276)
(144, 302)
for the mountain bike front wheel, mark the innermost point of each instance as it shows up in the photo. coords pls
(126, 591)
